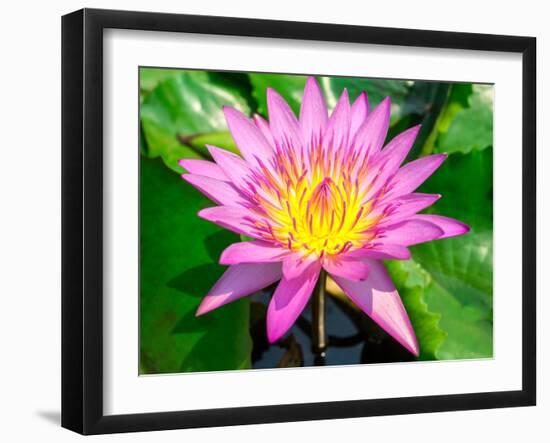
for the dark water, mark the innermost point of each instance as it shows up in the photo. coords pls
(352, 338)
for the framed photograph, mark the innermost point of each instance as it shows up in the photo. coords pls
(269, 221)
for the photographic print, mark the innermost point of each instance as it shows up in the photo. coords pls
(304, 220)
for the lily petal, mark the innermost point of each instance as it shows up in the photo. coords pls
(203, 167)
(347, 267)
(313, 113)
(413, 174)
(379, 299)
(382, 252)
(449, 226)
(231, 164)
(263, 126)
(402, 208)
(337, 132)
(411, 232)
(289, 300)
(359, 112)
(372, 133)
(399, 146)
(386, 163)
(294, 264)
(249, 139)
(283, 123)
(234, 218)
(218, 191)
(239, 281)
(256, 251)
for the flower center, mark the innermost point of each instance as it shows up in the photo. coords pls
(316, 209)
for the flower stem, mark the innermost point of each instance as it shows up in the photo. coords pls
(318, 322)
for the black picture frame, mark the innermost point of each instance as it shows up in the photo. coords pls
(82, 220)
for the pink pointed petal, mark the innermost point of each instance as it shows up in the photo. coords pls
(347, 267)
(203, 167)
(247, 136)
(399, 146)
(283, 123)
(295, 264)
(411, 232)
(289, 300)
(379, 299)
(413, 174)
(337, 132)
(372, 133)
(231, 164)
(382, 252)
(359, 112)
(263, 126)
(402, 208)
(218, 191)
(239, 281)
(386, 163)
(234, 218)
(449, 226)
(313, 113)
(256, 251)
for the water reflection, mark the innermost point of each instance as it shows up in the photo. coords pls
(352, 338)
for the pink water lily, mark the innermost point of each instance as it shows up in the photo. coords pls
(318, 192)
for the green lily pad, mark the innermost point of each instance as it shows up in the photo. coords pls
(222, 139)
(185, 106)
(179, 264)
(149, 78)
(377, 90)
(471, 128)
(447, 287)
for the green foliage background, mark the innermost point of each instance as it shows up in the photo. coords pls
(446, 287)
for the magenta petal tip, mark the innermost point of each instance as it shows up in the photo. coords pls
(466, 228)
(201, 310)
(416, 129)
(202, 213)
(272, 336)
(205, 307)
(414, 348)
